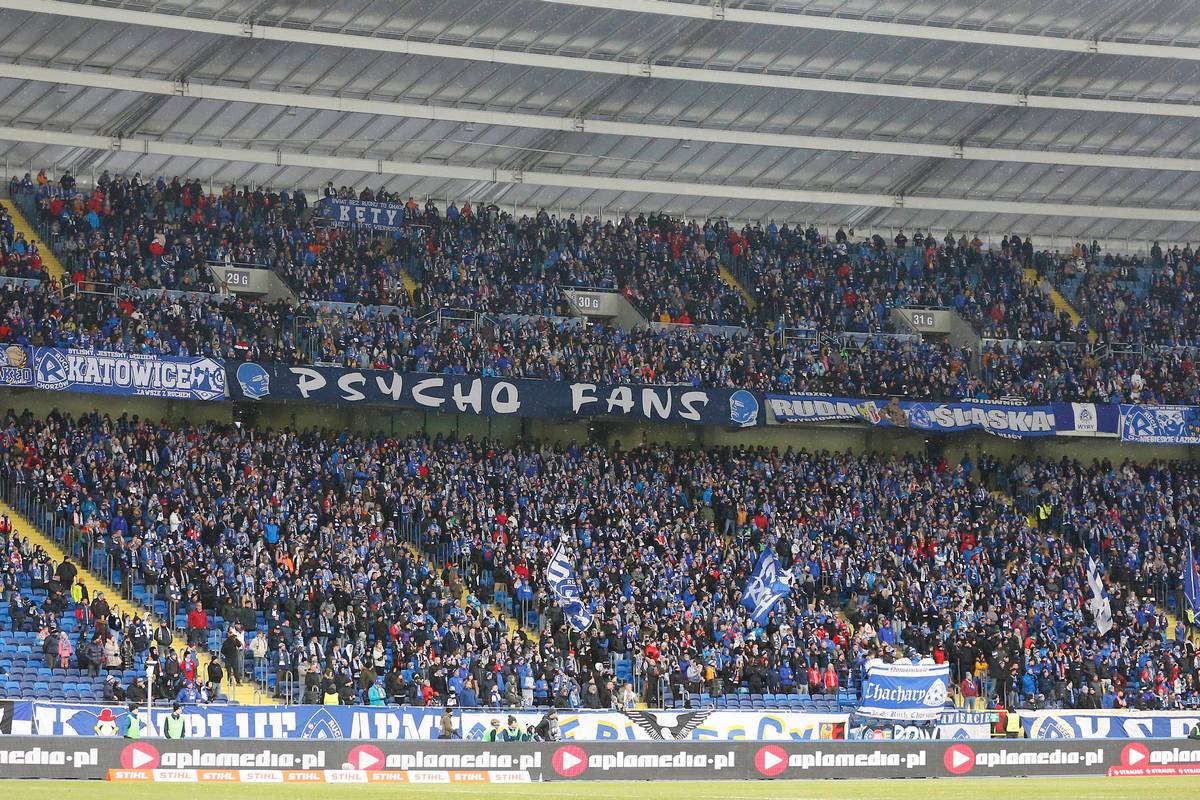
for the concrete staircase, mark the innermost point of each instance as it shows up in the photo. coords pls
(410, 285)
(728, 277)
(462, 591)
(1003, 498)
(244, 694)
(1061, 304)
(1192, 635)
(53, 266)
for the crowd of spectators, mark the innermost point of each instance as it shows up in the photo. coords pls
(305, 537)
(805, 291)
(803, 280)
(1137, 520)
(18, 258)
(1085, 372)
(98, 640)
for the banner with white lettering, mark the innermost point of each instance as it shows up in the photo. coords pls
(1113, 724)
(101, 372)
(489, 396)
(1160, 424)
(365, 214)
(1002, 419)
(904, 691)
(1086, 419)
(959, 724)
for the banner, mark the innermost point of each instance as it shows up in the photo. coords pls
(564, 585)
(904, 691)
(767, 585)
(365, 213)
(1099, 603)
(649, 725)
(16, 717)
(488, 396)
(959, 724)
(126, 374)
(247, 722)
(1014, 421)
(259, 761)
(956, 724)
(883, 731)
(1108, 724)
(1160, 424)
(420, 723)
(1086, 419)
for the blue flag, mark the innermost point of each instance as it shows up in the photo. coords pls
(564, 584)
(1191, 584)
(768, 584)
(1099, 603)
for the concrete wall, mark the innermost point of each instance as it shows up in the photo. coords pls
(256, 283)
(602, 305)
(42, 403)
(940, 322)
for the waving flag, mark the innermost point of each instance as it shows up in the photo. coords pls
(1191, 585)
(1099, 604)
(768, 584)
(564, 584)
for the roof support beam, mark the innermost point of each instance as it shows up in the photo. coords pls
(599, 66)
(279, 158)
(150, 86)
(718, 11)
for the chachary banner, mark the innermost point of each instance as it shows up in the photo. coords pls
(904, 691)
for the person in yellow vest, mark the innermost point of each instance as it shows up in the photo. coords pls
(133, 723)
(1044, 510)
(173, 724)
(1013, 726)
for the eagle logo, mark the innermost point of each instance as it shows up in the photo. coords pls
(656, 724)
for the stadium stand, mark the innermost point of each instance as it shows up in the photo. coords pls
(805, 294)
(306, 537)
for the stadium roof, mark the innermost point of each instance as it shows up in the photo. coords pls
(1057, 117)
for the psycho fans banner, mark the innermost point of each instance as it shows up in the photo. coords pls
(488, 396)
(203, 378)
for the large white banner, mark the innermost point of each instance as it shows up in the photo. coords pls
(694, 724)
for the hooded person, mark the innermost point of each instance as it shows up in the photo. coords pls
(447, 729)
(547, 730)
